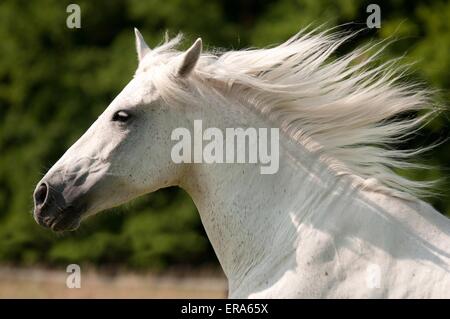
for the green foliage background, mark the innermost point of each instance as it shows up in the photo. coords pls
(55, 81)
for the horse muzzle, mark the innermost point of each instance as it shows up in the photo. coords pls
(51, 210)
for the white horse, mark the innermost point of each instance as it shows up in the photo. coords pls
(335, 221)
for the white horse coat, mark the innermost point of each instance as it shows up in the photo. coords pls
(333, 222)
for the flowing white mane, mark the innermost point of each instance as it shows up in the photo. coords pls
(348, 110)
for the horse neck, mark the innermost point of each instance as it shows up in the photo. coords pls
(259, 225)
(249, 217)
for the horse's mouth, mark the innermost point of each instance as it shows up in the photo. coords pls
(65, 223)
(66, 220)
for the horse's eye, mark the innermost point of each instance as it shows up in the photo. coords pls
(121, 116)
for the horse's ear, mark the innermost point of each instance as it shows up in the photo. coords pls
(141, 47)
(190, 58)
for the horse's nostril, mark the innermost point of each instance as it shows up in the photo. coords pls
(40, 196)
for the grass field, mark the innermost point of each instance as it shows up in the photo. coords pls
(44, 283)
